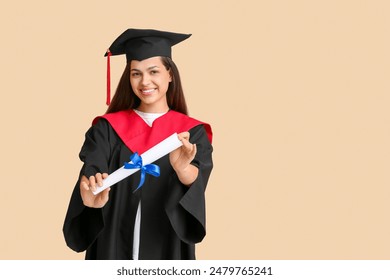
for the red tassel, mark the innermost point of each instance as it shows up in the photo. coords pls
(108, 101)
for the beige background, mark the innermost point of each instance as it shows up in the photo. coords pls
(297, 93)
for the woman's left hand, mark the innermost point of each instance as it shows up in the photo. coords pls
(182, 156)
(181, 160)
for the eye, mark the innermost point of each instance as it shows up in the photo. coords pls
(135, 74)
(153, 72)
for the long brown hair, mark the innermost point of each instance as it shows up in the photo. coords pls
(125, 98)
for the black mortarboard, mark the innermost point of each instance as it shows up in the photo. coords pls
(140, 44)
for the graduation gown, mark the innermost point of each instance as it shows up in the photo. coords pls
(172, 214)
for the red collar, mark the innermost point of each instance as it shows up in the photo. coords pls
(139, 137)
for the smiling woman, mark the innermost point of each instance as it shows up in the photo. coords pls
(174, 93)
(149, 80)
(166, 217)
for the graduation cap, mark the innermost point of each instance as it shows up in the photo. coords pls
(140, 44)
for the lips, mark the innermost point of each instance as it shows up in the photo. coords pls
(148, 91)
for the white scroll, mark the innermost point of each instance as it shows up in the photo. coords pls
(156, 152)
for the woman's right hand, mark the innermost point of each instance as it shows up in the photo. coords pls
(87, 186)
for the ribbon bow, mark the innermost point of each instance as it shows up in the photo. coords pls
(151, 169)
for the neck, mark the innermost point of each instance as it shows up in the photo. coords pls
(154, 110)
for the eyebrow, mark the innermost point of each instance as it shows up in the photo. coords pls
(149, 68)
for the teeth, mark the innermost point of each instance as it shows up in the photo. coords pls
(148, 90)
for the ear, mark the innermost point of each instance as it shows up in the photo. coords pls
(170, 76)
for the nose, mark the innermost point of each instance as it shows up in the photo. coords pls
(145, 80)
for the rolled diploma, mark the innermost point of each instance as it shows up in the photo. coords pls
(156, 152)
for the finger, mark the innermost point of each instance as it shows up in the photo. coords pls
(105, 175)
(194, 150)
(99, 179)
(191, 151)
(184, 135)
(84, 185)
(187, 146)
(92, 183)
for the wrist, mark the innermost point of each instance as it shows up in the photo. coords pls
(188, 174)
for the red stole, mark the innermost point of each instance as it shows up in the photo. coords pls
(140, 137)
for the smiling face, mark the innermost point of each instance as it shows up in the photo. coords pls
(150, 80)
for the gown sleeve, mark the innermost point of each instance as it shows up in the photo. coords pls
(83, 224)
(185, 206)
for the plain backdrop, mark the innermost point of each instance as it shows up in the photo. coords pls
(297, 93)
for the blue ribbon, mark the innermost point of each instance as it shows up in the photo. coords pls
(151, 169)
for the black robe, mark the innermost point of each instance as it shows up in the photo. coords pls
(172, 215)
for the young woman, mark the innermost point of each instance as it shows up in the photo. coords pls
(165, 218)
